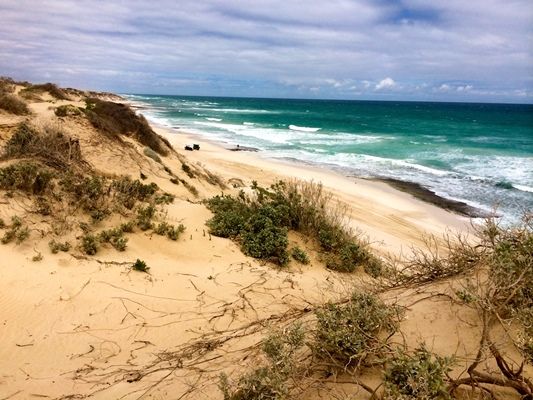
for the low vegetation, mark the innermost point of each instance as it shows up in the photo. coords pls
(13, 104)
(51, 88)
(271, 381)
(417, 376)
(348, 334)
(67, 110)
(140, 266)
(117, 119)
(259, 223)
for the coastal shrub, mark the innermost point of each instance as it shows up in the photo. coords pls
(230, 216)
(174, 232)
(25, 176)
(299, 255)
(129, 191)
(417, 376)
(271, 381)
(127, 227)
(192, 189)
(2, 224)
(13, 104)
(148, 152)
(188, 170)
(115, 237)
(347, 334)
(38, 257)
(117, 119)
(269, 213)
(347, 258)
(90, 244)
(7, 85)
(51, 88)
(67, 110)
(261, 238)
(164, 198)
(56, 247)
(49, 144)
(140, 266)
(145, 214)
(17, 231)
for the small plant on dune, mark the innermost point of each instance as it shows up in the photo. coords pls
(48, 144)
(2, 224)
(417, 376)
(140, 266)
(269, 382)
(67, 110)
(188, 170)
(90, 244)
(25, 176)
(174, 232)
(115, 237)
(13, 104)
(38, 257)
(127, 227)
(17, 231)
(56, 247)
(299, 255)
(144, 217)
(148, 152)
(165, 198)
(348, 334)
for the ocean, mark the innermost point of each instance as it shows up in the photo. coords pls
(481, 154)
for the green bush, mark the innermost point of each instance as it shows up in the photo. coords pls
(148, 152)
(115, 237)
(300, 255)
(140, 266)
(144, 217)
(269, 382)
(260, 224)
(13, 104)
(67, 110)
(349, 333)
(418, 376)
(90, 244)
(347, 258)
(188, 170)
(25, 176)
(17, 231)
(56, 247)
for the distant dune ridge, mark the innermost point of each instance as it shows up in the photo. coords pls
(134, 269)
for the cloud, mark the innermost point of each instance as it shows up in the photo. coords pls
(386, 83)
(275, 47)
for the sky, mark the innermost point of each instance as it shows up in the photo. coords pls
(439, 50)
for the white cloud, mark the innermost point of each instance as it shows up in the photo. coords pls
(208, 47)
(386, 83)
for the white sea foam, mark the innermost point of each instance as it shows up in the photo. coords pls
(523, 188)
(248, 123)
(303, 128)
(214, 119)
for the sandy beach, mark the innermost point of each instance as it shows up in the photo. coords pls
(88, 326)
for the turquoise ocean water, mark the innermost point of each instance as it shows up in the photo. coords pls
(478, 153)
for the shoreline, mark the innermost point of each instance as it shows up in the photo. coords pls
(374, 205)
(415, 189)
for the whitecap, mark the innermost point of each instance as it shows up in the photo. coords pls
(302, 128)
(523, 188)
(214, 119)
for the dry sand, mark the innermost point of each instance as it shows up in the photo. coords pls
(76, 327)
